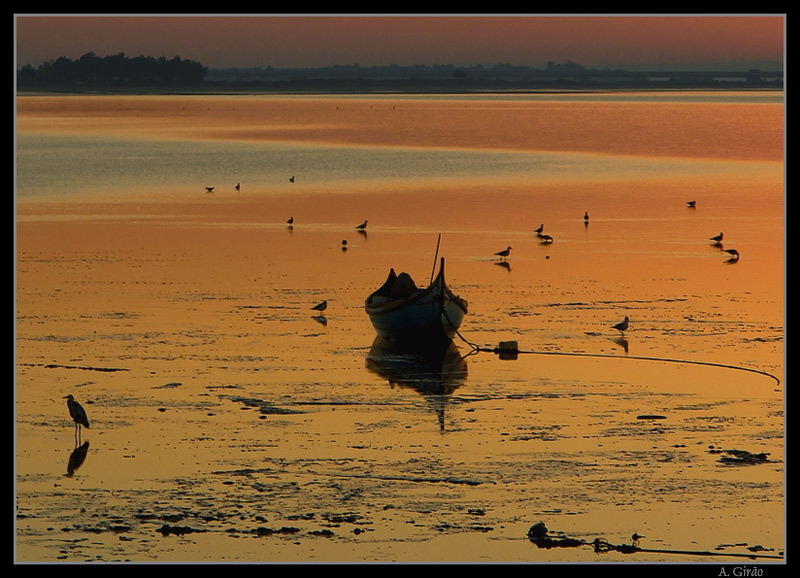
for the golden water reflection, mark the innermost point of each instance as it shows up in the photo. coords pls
(221, 402)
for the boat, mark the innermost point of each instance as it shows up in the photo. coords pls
(406, 315)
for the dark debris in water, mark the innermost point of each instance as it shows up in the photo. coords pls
(166, 530)
(741, 457)
(539, 534)
(264, 407)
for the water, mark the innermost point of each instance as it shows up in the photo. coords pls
(181, 320)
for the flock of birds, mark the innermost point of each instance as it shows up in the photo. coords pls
(622, 326)
(78, 414)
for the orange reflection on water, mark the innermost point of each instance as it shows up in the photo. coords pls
(724, 129)
(220, 401)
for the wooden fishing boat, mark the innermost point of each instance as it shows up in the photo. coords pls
(404, 314)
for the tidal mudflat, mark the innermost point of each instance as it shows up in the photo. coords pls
(231, 422)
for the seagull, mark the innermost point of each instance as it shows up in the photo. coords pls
(362, 225)
(209, 189)
(238, 186)
(291, 179)
(504, 253)
(320, 306)
(291, 220)
(586, 216)
(622, 325)
(716, 239)
(733, 253)
(635, 538)
(691, 204)
(540, 229)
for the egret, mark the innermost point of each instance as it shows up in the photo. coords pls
(76, 412)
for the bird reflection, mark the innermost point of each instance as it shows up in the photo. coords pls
(321, 319)
(434, 372)
(622, 341)
(504, 264)
(76, 459)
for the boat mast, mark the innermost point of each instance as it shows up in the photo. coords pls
(435, 257)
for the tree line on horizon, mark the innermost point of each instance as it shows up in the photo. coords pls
(118, 69)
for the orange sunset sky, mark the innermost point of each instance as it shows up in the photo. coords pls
(218, 41)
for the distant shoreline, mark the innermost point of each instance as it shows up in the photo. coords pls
(244, 91)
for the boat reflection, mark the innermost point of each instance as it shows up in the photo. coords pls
(434, 372)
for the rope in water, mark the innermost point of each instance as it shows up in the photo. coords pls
(477, 348)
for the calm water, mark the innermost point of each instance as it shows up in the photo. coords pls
(181, 319)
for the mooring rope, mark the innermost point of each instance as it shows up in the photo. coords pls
(477, 348)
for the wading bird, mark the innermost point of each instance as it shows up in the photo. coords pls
(504, 253)
(622, 325)
(692, 204)
(586, 216)
(539, 230)
(320, 306)
(76, 412)
(717, 239)
(363, 225)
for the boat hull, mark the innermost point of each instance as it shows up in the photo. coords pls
(427, 316)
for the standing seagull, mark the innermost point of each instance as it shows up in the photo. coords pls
(504, 253)
(320, 306)
(291, 179)
(238, 186)
(717, 239)
(622, 325)
(540, 229)
(692, 204)
(363, 225)
(586, 216)
(76, 412)
(209, 189)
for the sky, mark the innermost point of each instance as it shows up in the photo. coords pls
(219, 41)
